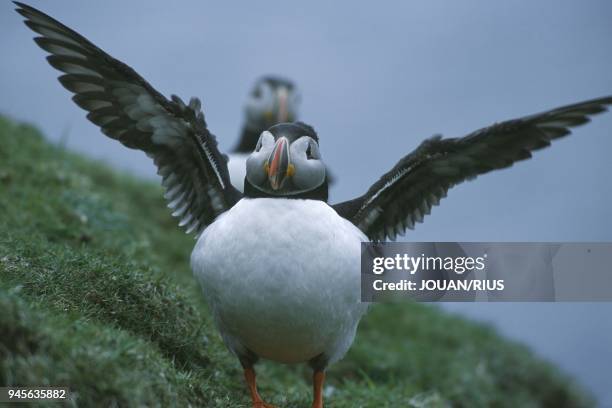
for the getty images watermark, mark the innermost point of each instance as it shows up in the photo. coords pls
(480, 271)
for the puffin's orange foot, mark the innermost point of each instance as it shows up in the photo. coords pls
(262, 404)
(317, 384)
(249, 376)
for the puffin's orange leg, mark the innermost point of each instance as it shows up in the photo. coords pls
(249, 376)
(317, 385)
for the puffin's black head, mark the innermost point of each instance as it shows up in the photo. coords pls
(286, 163)
(272, 100)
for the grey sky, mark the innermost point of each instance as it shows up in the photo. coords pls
(375, 81)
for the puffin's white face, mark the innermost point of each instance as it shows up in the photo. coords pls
(272, 102)
(280, 167)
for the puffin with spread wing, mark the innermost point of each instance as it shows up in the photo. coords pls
(279, 266)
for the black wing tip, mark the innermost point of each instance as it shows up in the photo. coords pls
(604, 100)
(25, 10)
(598, 105)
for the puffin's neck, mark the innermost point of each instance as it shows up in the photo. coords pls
(248, 139)
(320, 193)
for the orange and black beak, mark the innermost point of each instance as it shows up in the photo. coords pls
(281, 112)
(278, 167)
(283, 105)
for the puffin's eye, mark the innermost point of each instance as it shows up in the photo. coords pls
(256, 93)
(312, 151)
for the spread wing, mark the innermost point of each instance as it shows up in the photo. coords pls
(404, 195)
(128, 109)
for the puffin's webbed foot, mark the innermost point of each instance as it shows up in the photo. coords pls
(249, 376)
(262, 404)
(317, 386)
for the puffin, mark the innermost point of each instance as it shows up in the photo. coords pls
(279, 265)
(273, 99)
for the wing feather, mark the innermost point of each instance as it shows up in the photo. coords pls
(126, 108)
(405, 195)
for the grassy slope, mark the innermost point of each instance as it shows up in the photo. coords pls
(96, 293)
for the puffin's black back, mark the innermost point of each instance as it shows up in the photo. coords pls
(248, 140)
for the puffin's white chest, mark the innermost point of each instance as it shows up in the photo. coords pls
(282, 277)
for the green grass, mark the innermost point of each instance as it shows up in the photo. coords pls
(96, 294)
